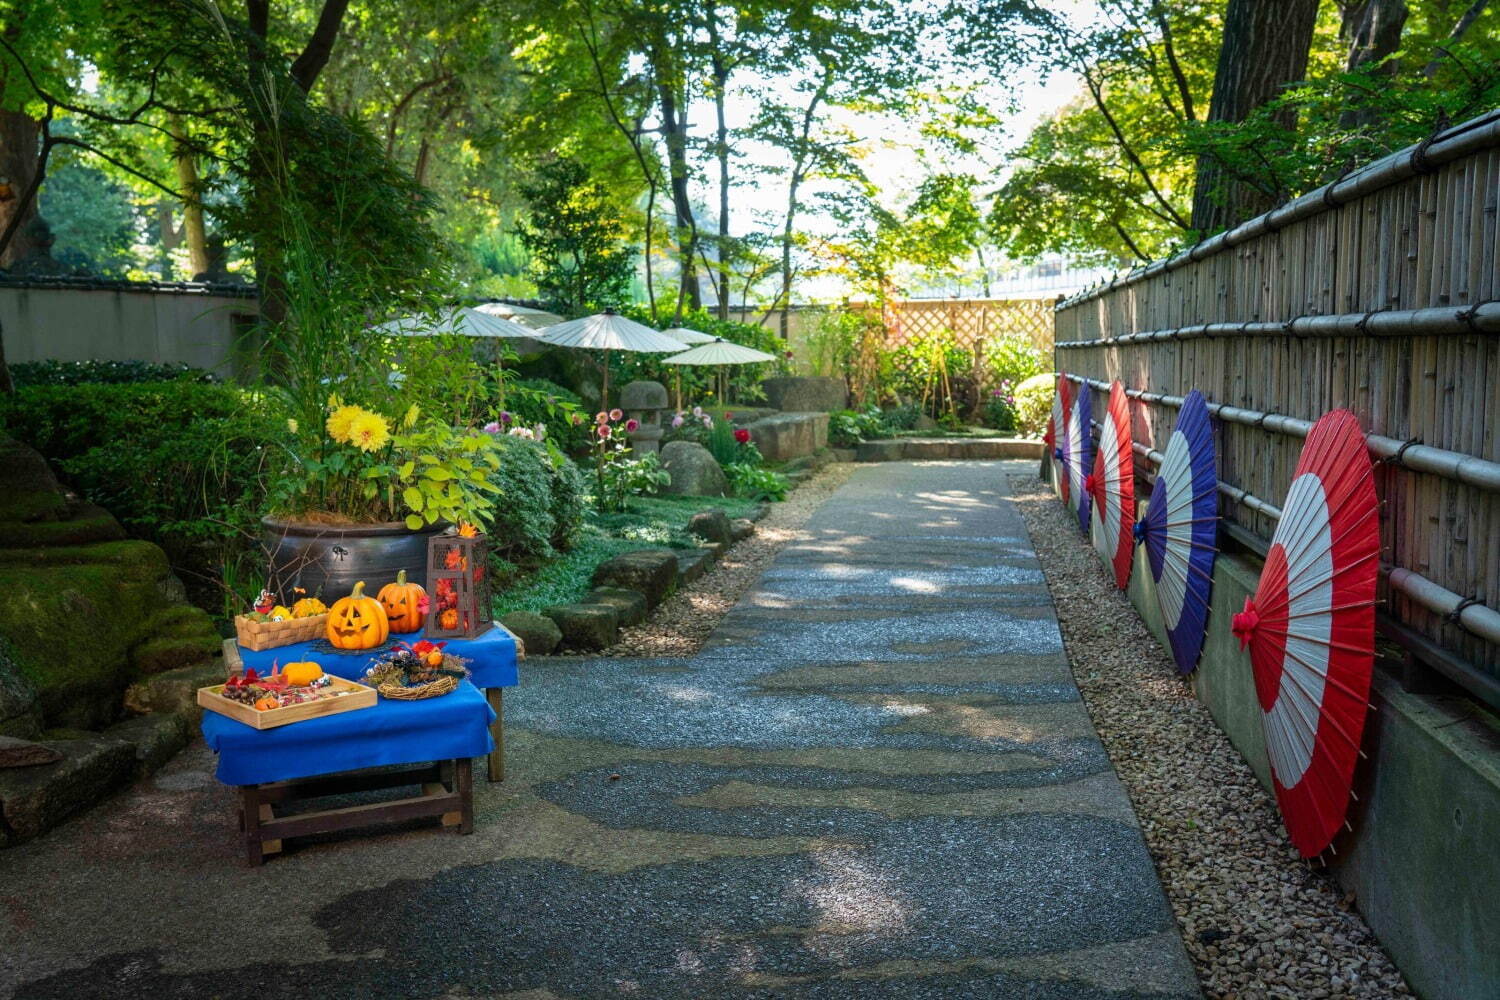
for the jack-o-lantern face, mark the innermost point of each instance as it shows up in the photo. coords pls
(357, 621)
(403, 604)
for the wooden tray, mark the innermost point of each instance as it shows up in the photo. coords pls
(359, 696)
(257, 636)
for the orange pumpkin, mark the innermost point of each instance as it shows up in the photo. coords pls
(435, 658)
(403, 604)
(266, 704)
(357, 621)
(449, 618)
(301, 674)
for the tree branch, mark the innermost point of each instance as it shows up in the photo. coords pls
(319, 47)
(1171, 53)
(1459, 30)
(1098, 94)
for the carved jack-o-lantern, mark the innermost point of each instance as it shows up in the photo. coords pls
(357, 621)
(403, 604)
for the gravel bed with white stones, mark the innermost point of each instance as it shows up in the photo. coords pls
(684, 621)
(1258, 921)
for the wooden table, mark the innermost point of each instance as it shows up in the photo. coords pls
(447, 792)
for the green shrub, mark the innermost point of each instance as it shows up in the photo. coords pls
(524, 523)
(846, 428)
(902, 417)
(535, 401)
(999, 411)
(1012, 358)
(756, 483)
(32, 373)
(632, 477)
(62, 421)
(569, 487)
(1033, 403)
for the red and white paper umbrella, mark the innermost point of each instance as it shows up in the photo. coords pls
(1057, 433)
(1311, 630)
(1111, 486)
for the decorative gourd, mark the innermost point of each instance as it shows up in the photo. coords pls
(281, 613)
(309, 607)
(403, 604)
(266, 704)
(357, 621)
(449, 618)
(301, 674)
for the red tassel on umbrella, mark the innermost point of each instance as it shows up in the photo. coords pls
(1310, 629)
(1112, 487)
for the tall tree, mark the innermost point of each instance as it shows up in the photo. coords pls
(1265, 47)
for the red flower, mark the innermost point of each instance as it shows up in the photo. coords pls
(742, 435)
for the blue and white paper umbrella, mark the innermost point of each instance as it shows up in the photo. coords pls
(1180, 531)
(1079, 455)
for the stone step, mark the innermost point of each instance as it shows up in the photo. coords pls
(954, 448)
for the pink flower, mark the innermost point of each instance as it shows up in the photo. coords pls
(492, 428)
(632, 425)
(604, 432)
(616, 413)
(708, 421)
(601, 417)
(677, 421)
(697, 411)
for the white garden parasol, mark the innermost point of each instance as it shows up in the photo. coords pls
(719, 352)
(607, 331)
(687, 336)
(460, 320)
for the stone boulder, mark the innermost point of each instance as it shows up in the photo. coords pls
(710, 525)
(20, 712)
(693, 470)
(35, 799)
(790, 435)
(586, 626)
(652, 572)
(692, 564)
(538, 633)
(806, 393)
(631, 604)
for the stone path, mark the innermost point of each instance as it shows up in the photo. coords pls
(876, 780)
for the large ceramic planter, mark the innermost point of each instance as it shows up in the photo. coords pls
(327, 560)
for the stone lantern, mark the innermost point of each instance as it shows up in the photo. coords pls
(645, 401)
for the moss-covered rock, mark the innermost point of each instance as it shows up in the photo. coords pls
(84, 610)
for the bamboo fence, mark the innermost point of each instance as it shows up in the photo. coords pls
(1376, 293)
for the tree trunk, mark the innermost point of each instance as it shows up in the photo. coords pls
(18, 153)
(1265, 47)
(721, 151)
(1374, 32)
(674, 130)
(192, 209)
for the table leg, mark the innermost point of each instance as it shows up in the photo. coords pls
(496, 698)
(463, 780)
(250, 804)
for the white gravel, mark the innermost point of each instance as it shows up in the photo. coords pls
(684, 621)
(1258, 921)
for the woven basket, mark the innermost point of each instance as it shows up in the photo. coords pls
(432, 689)
(268, 635)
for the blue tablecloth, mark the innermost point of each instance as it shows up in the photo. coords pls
(393, 732)
(491, 656)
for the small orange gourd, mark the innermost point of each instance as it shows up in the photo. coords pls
(266, 704)
(301, 674)
(357, 621)
(449, 619)
(403, 604)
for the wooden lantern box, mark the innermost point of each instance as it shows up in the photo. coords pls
(458, 586)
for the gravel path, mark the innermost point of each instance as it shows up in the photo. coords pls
(1258, 921)
(682, 623)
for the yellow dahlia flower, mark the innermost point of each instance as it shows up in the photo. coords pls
(339, 422)
(368, 431)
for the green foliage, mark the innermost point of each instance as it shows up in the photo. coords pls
(935, 370)
(999, 411)
(525, 524)
(847, 428)
(1033, 404)
(581, 258)
(181, 464)
(624, 478)
(756, 483)
(1012, 358)
(697, 380)
(92, 218)
(538, 401)
(30, 373)
(569, 487)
